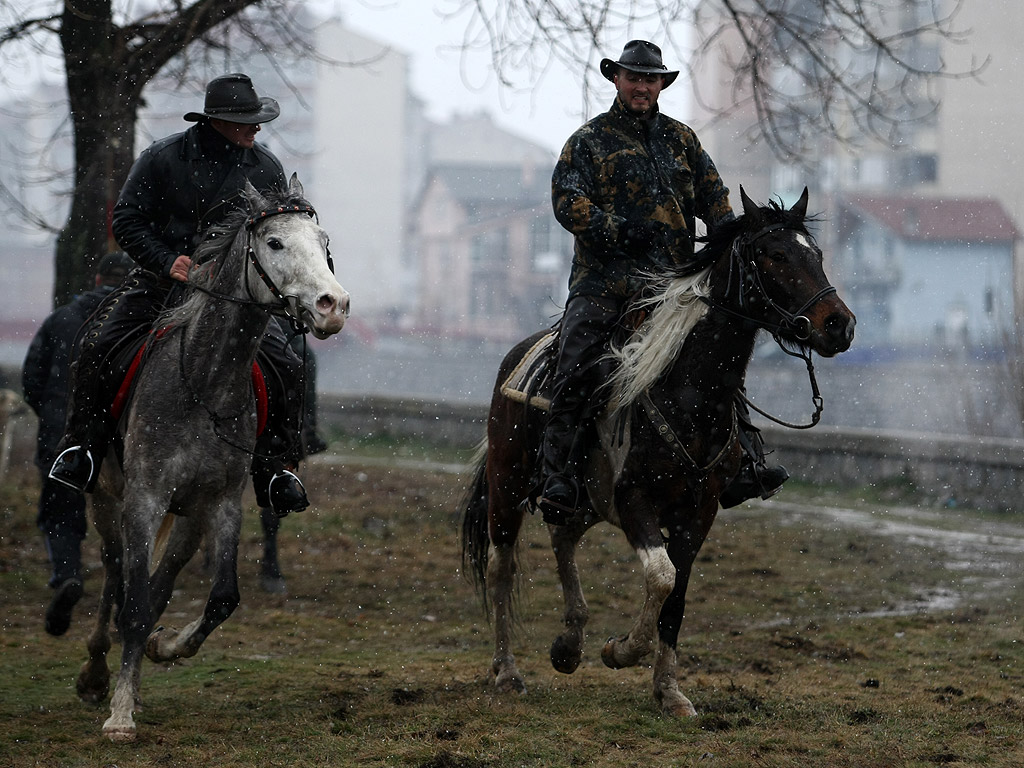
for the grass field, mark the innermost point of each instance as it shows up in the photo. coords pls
(812, 638)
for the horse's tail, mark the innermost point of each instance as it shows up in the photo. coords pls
(475, 536)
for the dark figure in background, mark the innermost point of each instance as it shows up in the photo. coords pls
(629, 185)
(177, 188)
(44, 381)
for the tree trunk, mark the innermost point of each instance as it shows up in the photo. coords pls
(103, 108)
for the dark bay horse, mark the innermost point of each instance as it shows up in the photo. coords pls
(189, 432)
(666, 447)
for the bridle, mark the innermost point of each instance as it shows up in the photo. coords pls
(794, 324)
(286, 306)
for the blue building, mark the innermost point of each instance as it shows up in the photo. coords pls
(928, 273)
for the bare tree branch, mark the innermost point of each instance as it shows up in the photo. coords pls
(854, 71)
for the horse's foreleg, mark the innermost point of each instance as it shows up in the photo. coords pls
(135, 619)
(501, 583)
(659, 576)
(683, 544)
(168, 644)
(567, 649)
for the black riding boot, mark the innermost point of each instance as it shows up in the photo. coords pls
(122, 319)
(559, 497)
(755, 477)
(86, 432)
(587, 327)
(279, 449)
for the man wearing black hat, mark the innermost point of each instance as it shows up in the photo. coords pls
(177, 188)
(629, 185)
(44, 381)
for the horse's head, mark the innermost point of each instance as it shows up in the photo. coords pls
(779, 279)
(289, 253)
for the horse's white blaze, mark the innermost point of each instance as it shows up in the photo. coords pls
(802, 240)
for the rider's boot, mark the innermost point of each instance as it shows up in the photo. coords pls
(559, 496)
(755, 477)
(277, 487)
(83, 446)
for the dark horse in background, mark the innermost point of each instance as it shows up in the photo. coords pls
(189, 432)
(666, 447)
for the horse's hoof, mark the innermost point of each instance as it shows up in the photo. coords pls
(565, 657)
(608, 654)
(92, 690)
(117, 729)
(153, 652)
(120, 734)
(679, 709)
(510, 684)
(274, 585)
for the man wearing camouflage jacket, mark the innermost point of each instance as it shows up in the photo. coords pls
(629, 185)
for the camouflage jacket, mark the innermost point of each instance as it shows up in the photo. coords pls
(618, 168)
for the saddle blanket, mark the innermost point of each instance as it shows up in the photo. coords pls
(259, 385)
(527, 381)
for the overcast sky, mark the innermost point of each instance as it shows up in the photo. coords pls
(547, 114)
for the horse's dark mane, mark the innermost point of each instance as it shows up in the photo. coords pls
(720, 240)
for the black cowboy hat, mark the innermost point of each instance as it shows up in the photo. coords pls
(232, 98)
(639, 56)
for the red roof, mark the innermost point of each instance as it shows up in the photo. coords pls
(971, 219)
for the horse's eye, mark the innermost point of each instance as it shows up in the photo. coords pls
(274, 244)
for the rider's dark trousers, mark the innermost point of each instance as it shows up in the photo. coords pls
(587, 326)
(128, 314)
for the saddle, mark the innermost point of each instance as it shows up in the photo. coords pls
(125, 367)
(530, 381)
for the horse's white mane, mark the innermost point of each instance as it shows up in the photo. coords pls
(675, 308)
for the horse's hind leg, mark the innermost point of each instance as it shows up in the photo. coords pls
(168, 644)
(93, 683)
(567, 649)
(501, 582)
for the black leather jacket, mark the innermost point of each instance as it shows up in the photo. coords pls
(181, 185)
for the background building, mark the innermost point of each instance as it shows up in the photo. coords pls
(942, 199)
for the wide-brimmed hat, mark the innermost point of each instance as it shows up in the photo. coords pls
(232, 98)
(639, 56)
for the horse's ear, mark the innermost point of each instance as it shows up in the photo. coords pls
(750, 209)
(800, 208)
(294, 186)
(257, 202)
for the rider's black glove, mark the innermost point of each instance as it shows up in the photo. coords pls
(637, 236)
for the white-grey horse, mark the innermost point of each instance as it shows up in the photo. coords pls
(189, 431)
